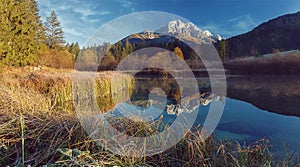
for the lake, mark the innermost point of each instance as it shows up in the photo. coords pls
(255, 107)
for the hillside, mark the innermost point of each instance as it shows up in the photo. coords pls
(281, 33)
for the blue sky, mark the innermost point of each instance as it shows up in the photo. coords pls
(80, 18)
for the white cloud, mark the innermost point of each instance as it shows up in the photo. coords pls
(73, 31)
(244, 22)
(79, 19)
(84, 11)
(217, 29)
(231, 27)
(128, 5)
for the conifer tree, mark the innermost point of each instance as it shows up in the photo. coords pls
(19, 32)
(41, 35)
(54, 32)
(6, 27)
(74, 49)
(223, 49)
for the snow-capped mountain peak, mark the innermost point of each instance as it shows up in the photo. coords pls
(188, 29)
(206, 33)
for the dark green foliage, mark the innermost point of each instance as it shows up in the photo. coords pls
(20, 32)
(41, 35)
(54, 32)
(73, 49)
(223, 49)
(23, 38)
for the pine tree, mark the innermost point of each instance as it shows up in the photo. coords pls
(19, 29)
(128, 47)
(74, 49)
(27, 27)
(54, 33)
(41, 36)
(6, 27)
(223, 50)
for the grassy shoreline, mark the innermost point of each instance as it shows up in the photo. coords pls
(38, 126)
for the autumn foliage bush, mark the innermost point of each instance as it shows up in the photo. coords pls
(56, 59)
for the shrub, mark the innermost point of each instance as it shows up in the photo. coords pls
(56, 59)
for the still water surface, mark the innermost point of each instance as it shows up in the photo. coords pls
(241, 121)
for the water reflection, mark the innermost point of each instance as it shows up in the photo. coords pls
(280, 94)
(159, 100)
(244, 122)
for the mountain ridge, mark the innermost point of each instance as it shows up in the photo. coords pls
(281, 33)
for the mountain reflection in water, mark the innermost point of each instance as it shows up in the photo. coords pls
(241, 121)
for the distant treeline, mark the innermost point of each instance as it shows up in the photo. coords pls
(107, 56)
